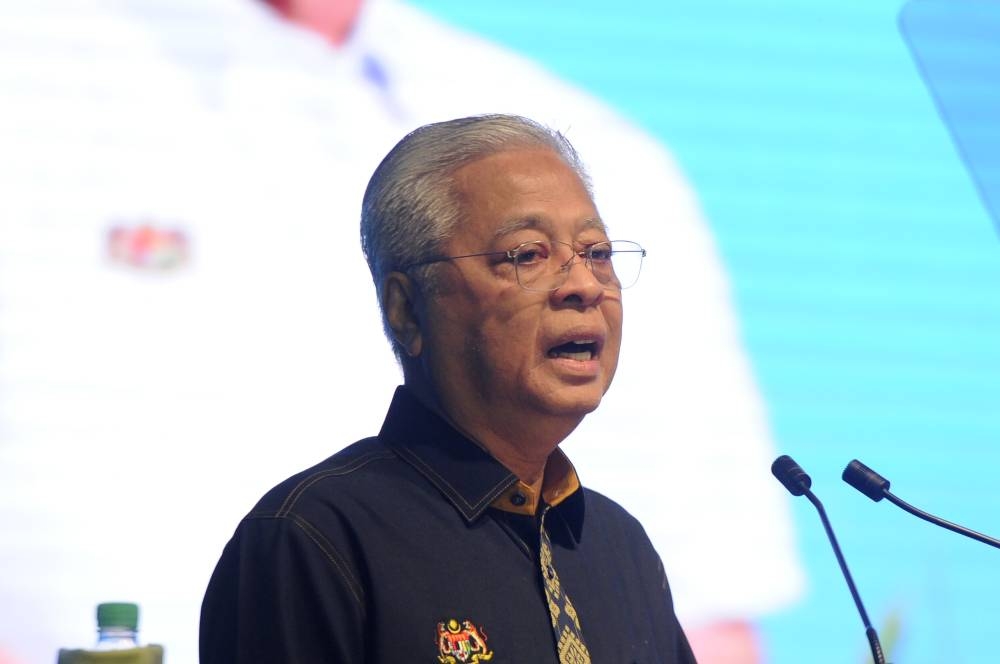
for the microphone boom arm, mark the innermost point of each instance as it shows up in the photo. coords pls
(937, 521)
(873, 642)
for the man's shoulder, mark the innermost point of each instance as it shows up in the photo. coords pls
(607, 515)
(612, 535)
(356, 469)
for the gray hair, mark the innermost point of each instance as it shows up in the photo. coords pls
(411, 208)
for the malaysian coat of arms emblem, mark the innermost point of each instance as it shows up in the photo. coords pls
(461, 643)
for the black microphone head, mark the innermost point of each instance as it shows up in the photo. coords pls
(791, 475)
(865, 480)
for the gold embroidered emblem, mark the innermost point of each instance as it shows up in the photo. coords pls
(462, 643)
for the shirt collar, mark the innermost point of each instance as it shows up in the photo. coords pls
(559, 483)
(468, 476)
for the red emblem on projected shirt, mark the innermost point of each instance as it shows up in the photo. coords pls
(461, 642)
(148, 246)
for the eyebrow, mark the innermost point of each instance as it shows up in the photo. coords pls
(533, 222)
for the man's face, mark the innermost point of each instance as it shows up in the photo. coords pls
(495, 350)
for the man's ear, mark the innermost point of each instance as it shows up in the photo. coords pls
(399, 301)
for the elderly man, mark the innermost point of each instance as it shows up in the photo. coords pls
(461, 531)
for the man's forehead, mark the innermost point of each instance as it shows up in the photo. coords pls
(525, 188)
(516, 166)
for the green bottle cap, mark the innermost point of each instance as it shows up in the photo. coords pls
(118, 614)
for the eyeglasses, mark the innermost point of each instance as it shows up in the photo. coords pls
(543, 265)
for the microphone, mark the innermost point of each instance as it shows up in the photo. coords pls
(876, 487)
(791, 475)
(798, 483)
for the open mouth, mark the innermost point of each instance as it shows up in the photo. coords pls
(580, 351)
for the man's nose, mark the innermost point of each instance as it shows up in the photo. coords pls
(581, 285)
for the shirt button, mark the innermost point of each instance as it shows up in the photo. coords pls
(518, 499)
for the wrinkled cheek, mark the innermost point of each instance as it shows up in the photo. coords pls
(476, 356)
(610, 362)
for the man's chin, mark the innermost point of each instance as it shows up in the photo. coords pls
(575, 401)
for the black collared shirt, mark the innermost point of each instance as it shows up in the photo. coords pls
(390, 551)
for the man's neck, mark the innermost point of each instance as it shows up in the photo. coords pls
(524, 452)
